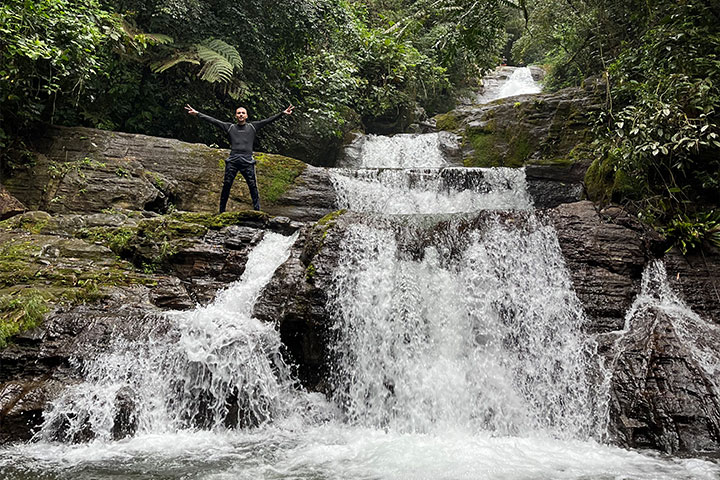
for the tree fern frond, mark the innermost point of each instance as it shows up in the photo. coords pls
(217, 67)
(216, 71)
(182, 57)
(235, 88)
(227, 51)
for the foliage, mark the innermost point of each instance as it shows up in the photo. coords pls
(658, 146)
(690, 234)
(50, 52)
(21, 312)
(92, 64)
(667, 131)
(219, 63)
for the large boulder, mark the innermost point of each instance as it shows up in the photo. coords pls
(84, 170)
(657, 331)
(9, 205)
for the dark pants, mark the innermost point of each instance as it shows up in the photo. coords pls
(247, 170)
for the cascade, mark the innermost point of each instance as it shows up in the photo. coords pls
(183, 378)
(482, 334)
(520, 82)
(400, 151)
(416, 191)
(458, 351)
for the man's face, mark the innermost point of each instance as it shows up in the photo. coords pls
(241, 115)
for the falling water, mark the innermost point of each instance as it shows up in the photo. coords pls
(400, 151)
(449, 190)
(700, 337)
(459, 353)
(487, 340)
(520, 82)
(216, 368)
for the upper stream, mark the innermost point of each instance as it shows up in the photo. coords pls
(458, 353)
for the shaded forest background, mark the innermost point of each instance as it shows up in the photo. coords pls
(377, 66)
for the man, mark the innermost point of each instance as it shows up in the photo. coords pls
(242, 135)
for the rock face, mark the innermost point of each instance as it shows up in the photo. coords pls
(187, 258)
(9, 205)
(606, 253)
(85, 170)
(117, 271)
(663, 393)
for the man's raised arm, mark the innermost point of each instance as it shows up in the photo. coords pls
(225, 126)
(261, 123)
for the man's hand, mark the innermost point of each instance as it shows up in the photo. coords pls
(191, 110)
(288, 110)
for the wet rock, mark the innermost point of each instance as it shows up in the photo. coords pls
(552, 185)
(539, 129)
(125, 421)
(170, 294)
(295, 299)
(311, 197)
(606, 255)
(9, 205)
(696, 277)
(661, 397)
(83, 170)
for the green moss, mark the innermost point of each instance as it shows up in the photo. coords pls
(520, 149)
(329, 220)
(605, 181)
(310, 272)
(33, 222)
(217, 221)
(16, 262)
(20, 312)
(116, 239)
(447, 121)
(275, 175)
(498, 148)
(168, 228)
(485, 151)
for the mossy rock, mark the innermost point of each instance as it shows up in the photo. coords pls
(606, 182)
(275, 175)
(221, 220)
(447, 121)
(33, 222)
(32, 284)
(316, 239)
(498, 149)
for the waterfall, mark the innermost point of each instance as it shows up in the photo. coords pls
(217, 367)
(489, 339)
(658, 301)
(447, 190)
(399, 151)
(520, 82)
(458, 350)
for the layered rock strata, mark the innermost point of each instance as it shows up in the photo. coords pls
(83, 170)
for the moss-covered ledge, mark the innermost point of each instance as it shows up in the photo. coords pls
(50, 261)
(41, 272)
(541, 129)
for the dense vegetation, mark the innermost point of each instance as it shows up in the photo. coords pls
(131, 65)
(658, 142)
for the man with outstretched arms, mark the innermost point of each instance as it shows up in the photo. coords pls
(242, 135)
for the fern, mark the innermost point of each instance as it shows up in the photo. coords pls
(219, 61)
(182, 57)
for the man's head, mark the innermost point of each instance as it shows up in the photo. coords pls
(241, 115)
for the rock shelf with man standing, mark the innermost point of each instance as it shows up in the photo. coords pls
(242, 136)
